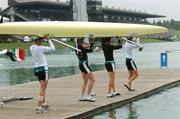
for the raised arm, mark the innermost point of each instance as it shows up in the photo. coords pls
(49, 48)
(119, 45)
(3, 51)
(88, 50)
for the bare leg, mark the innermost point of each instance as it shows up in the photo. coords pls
(133, 74)
(85, 82)
(129, 78)
(111, 86)
(43, 86)
(91, 83)
(45, 91)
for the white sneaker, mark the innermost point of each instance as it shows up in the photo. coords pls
(93, 94)
(116, 93)
(45, 106)
(1, 104)
(90, 99)
(40, 110)
(82, 98)
(110, 95)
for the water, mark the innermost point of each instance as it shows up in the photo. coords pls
(24, 75)
(64, 63)
(165, 105)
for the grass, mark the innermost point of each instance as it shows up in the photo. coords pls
(27, 45)
(151, 40)
(177, 33)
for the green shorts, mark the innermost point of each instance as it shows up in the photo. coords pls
(41, 73)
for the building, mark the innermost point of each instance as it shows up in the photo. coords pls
(73, 10)
(79, 10)
(38, 10)
(106, 14)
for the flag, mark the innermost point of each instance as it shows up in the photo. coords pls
(16, 54)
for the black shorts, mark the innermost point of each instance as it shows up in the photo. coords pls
(84, 67)
(110, 66)
(130, 64)
(41, 73)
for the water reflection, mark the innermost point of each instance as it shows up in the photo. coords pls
(132, 112)
(112, 114)
(164, 105)
(23, 75)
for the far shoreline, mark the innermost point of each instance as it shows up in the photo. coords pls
(26, 46)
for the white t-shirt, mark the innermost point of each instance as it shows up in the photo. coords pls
(38, 53)
(129, 47)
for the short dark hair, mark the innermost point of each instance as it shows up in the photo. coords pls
(129, 37)
(106, 39)
(39, 38)
(80, 40)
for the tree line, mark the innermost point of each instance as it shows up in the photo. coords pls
(170, 24)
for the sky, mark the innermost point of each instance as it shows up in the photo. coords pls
(169, 8)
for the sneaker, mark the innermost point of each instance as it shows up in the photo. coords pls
(93, 94)
(40, 110)
(116, 94)
(45, 106)
(110, 95)
(90, 99)
(1, 104)
(82, 98)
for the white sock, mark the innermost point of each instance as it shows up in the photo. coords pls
(44, 104)
(39, 107)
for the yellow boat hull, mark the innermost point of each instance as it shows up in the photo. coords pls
(78, 29)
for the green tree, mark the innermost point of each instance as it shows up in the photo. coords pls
(170, 24)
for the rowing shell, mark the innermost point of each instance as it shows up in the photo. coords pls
(78, 29)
